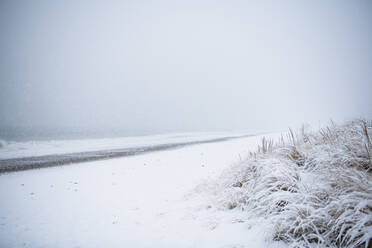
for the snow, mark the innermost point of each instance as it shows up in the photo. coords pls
(14, 149)
(314, 188)
(150, 200)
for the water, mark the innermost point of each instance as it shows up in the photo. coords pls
(22, 134)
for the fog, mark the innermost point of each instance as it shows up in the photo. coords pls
(184, 65)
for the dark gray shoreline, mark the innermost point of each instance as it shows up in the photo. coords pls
(27, 163)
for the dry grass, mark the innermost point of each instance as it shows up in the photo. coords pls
(315, 188)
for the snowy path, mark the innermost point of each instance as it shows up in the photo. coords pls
(140, 201)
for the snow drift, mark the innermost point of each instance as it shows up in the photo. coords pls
(312, 188)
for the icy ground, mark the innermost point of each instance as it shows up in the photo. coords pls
(149, 200)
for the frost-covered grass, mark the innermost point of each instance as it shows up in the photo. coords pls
(314, 188)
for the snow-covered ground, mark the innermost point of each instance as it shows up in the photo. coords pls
(14, 149)
(149, 200)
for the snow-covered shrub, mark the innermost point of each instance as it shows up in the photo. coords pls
(315, 188)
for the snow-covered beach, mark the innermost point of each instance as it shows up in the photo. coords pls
(148, 200)
(16, 156)
(211, 124)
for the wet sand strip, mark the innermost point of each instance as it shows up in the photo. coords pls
(27, 163)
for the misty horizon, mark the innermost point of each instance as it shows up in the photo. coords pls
(141, 67)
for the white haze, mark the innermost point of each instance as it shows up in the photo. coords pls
(184, 65)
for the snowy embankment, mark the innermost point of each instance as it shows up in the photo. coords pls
(310, 188)
(141, 201)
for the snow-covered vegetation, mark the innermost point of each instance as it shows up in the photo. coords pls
(313, 188)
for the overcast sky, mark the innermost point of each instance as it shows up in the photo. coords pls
(184, 65)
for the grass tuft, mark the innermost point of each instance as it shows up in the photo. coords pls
(315, 188)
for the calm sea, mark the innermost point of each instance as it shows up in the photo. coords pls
(29, 134)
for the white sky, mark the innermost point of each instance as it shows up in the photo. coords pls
(184, 65)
